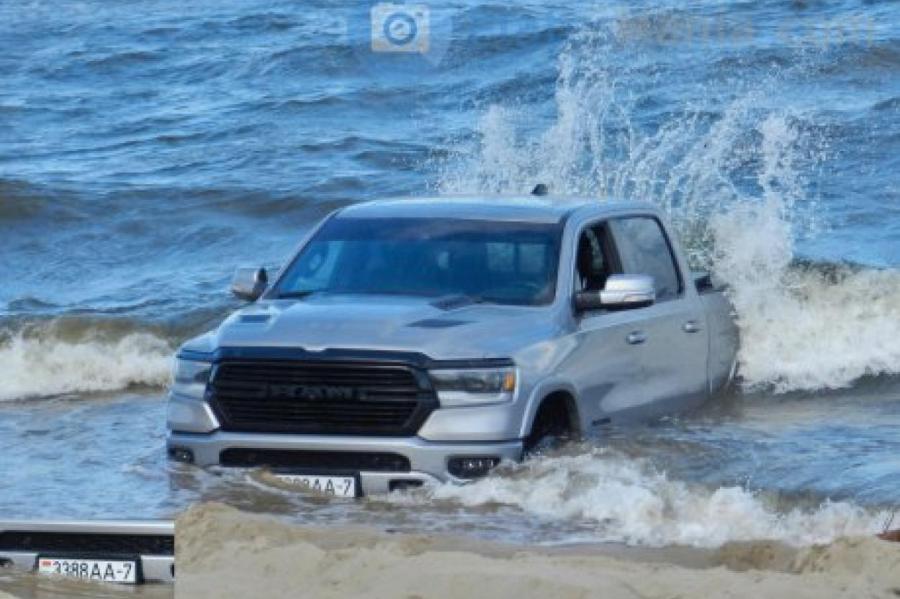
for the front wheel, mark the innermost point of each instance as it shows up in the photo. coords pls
(552, 427)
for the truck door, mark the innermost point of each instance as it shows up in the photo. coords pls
(606, 369)
(672, 332)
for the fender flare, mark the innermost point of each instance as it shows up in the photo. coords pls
(539, 393)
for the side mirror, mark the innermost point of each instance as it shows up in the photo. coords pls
(249, 283)
(622, 292)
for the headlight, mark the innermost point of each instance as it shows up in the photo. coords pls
(474, 386)
(190, 377)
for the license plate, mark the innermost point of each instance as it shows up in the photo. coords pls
(102, 570)
(335, 486)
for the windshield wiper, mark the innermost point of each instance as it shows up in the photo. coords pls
(451, 302)
(298, 294)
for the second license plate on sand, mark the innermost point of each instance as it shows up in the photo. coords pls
(103, 570)
(335, 486)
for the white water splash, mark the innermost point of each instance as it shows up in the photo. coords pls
(626, 501)
(46, 361)
(735, 180)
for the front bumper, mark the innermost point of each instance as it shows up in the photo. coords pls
(428, 459)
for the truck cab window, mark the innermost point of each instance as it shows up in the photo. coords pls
(592, 261)
(644, 250)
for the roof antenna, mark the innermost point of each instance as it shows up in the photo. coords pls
(540, 189)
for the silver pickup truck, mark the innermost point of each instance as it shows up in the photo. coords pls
(415, 340)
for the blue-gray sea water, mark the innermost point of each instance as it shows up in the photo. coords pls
(148, 148)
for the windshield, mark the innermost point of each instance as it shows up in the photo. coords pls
(490, 261)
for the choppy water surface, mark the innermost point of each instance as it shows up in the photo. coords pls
(144, 153)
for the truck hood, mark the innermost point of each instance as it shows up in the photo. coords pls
(423, 325)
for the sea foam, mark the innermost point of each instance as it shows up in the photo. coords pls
(625, 500)
(53, 359)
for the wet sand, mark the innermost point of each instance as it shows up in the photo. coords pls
(226, 553)
(25, 585)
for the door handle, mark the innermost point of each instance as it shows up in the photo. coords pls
(691, 326)
(636, 337)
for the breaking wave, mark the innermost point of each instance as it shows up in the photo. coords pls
(70, 356)
(737, 179)
(624, 500)
(805, 326)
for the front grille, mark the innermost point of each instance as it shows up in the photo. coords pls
(87, 543)
(315, 460)
(311, 397)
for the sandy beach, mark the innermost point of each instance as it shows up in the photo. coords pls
(226, 553)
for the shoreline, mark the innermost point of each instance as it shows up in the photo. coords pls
(223, 552)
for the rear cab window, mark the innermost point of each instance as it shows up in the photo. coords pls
(644, 249)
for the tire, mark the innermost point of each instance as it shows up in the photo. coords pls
(552, 426)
